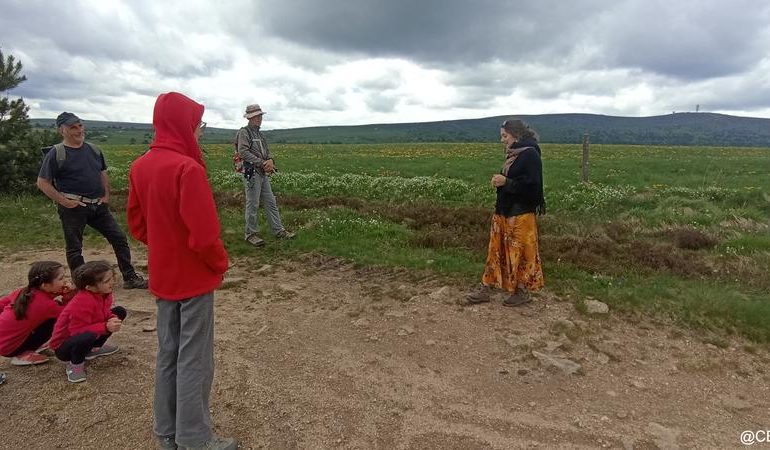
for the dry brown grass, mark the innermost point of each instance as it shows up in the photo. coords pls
(613, 248)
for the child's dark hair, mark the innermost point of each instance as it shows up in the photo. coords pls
(90, 273)
(40, 272)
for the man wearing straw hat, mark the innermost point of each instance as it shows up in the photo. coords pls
(258, 166)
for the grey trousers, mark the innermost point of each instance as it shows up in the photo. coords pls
(258, 190)
(184, 369)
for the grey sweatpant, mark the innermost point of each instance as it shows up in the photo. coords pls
(184, 369)
(258, 190)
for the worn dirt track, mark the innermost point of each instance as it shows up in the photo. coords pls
(317, 353)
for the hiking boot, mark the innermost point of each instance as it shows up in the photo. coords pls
(135, 282)
(104, 350)
(167, 443)
(216, 443)
(29, 358)
(479, 295)
(519, 298)
(255, 240)
(284, 234)
(76, 372)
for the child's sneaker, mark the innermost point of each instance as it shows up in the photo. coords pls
(29, 358)
(104, 350)
(76, 372)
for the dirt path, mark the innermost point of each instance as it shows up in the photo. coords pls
(315, 353)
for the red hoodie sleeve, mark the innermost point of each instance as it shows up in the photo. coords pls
(8, 299)
(49, 309)
(199, 214)
(137, 226)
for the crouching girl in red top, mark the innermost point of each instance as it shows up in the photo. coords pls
(88, 320)
(28, 314)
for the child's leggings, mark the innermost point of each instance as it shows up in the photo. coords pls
(76, 347)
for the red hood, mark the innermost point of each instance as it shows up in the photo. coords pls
(175, 119)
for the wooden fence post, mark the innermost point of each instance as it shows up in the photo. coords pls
(584, 166)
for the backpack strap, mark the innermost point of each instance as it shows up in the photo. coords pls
(97, 151)
(251, 138)
(61, 152)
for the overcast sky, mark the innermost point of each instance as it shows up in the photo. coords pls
(348, 62)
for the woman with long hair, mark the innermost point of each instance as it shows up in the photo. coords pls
(513, 256)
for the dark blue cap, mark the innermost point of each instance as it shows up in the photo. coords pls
(67, 119)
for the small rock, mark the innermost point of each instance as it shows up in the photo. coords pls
(148, 328)
(596, 307)
(522, 371)
(612, 393)
(552, 346)
(288, 287)
(430, 342)
(562, 326)
(405, 330)
(610, 348)
(712, 347)
(361, 323)
(621, 414)
(230, 282)
(532, 404)
(440, 293)
(665, 437)
(503, 371)
(603, 359)
(394, 314)
(519, 342)
(567, 366)
(264, 268)
(638, 384)
(734, 404)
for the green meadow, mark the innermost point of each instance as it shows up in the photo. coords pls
(677, 233)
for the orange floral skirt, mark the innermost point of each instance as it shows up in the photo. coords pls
(513, 258)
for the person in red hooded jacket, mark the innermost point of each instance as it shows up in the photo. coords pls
(88, 320)
(171, 209)
(28, 314)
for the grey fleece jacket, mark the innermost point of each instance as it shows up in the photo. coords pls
(252, 146)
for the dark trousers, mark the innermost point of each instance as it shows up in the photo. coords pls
(99, 217)
(75, 348)
(40, 336)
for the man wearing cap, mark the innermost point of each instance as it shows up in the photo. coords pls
(258, 165)
(74, 175)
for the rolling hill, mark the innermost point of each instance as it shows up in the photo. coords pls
(672, 129)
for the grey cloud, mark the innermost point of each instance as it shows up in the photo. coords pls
(381, 103)
(686, 39)
(135, 35)
(433, 31)
(690, 39)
